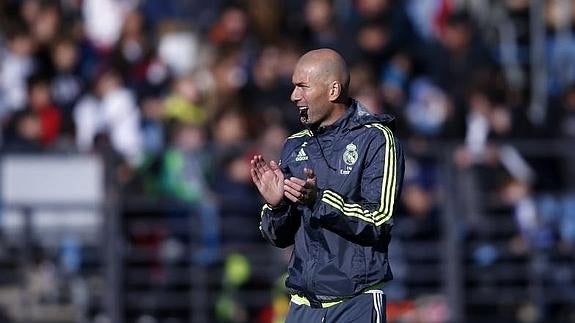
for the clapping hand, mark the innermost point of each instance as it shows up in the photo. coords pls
(301, 191)
(269, 180)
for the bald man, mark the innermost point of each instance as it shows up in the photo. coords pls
(332, 196)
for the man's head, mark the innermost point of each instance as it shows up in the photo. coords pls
(321, 81)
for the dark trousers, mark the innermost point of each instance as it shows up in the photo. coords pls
(364, 308)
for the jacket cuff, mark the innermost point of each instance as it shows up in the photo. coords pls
(278, 208)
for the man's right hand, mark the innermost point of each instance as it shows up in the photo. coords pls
(269, 180)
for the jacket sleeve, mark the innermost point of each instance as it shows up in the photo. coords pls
(279, 225)
(367, 220)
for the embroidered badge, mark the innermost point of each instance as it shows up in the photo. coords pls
(350, 154)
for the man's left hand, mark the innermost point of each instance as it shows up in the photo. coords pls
(302, 191)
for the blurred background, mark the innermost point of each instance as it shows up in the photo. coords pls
(127, 127)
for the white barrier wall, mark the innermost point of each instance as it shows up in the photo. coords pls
(64, 196)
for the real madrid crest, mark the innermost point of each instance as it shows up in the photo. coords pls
(350, 154)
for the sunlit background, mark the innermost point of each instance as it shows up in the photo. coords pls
(127, 127)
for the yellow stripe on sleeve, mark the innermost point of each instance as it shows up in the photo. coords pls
(388, 188)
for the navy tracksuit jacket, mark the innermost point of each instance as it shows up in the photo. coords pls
(341, 243)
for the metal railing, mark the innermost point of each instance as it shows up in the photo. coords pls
(128, 268)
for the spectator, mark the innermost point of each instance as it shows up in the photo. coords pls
(132, 53)
(419, 216)
(153, 129)
(185, 172)
(40, 101)
(66, 85)
(231, 29)
(103, 21)
(26, 135)
(17, 64)
(112, 109)
(237, 198)
(323, 29)
(183, 103)
(458, 58)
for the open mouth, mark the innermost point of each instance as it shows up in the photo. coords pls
(303, 114)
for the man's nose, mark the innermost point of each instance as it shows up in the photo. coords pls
(295, 95)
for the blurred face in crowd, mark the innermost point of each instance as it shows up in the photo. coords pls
(569, 100)
(64, 55)
(29, 127)
(371, 8)
(46, 25)
(228, 73)
(186, 87)
(271, 141)
(107, 82)
(40, 95)
(21, 45)
(266, 71)
(457, 37)
(234, 22)
(418, 202)
(287, 61)
(230, 129)
(133, 24)
(517, 4)
(153, 108)
(238, 170)
(30, 10)
(190, 137)
(318, 14)
(373, 38)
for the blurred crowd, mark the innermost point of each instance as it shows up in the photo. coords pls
(178, 94)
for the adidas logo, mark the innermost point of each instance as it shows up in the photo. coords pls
(301, 155)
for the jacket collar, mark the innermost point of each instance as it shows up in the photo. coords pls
(356, 115)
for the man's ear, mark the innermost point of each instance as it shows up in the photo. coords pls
(334, 91)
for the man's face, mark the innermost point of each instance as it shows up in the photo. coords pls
(311, 92)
